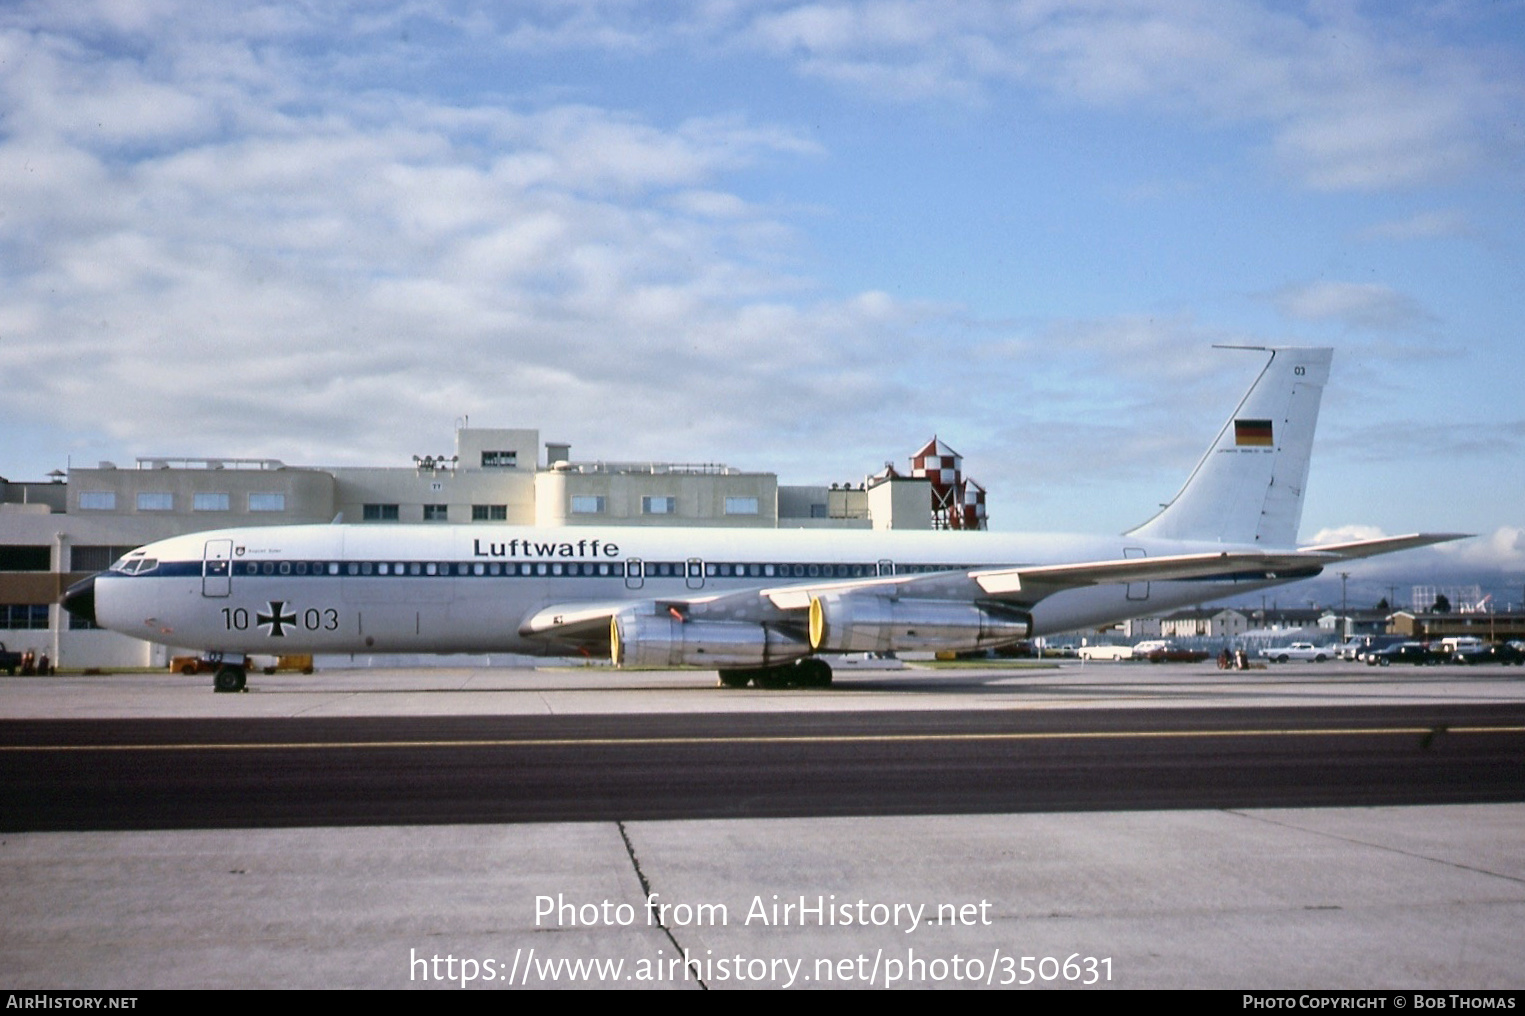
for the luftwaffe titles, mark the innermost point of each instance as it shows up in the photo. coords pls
(535, 548)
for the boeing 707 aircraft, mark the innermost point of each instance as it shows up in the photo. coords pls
(765, 607)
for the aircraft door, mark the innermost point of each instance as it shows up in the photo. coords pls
(1137, 590)
(217, 568)
(635, 576)
(694, 574)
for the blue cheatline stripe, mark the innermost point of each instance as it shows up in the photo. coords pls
(774, 571)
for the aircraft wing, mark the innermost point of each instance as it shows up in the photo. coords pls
(1022, 586)
(1028, 585)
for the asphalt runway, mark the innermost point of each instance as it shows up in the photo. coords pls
(1299, 827)
(169, 774)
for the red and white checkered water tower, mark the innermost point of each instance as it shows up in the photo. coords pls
(957, 503)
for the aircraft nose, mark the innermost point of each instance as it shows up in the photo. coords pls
(79, 599)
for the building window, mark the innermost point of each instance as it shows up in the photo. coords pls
(587, 504)
(436, 513)
(156, 501)
(98, 500)
(489, 513)
(379, 513)
(85, 557)
(22, 557)
(500, 460)
(24, 616)
(818, 511)
(211, 502)
(741, 506)
(267, 502)
(659, 506)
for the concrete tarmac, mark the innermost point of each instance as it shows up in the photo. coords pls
(1295, 899)
(549, 690)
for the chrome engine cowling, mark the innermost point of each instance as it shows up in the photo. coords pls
(662, 640)
(872, 623)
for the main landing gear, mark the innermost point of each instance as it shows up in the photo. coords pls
(806, 673)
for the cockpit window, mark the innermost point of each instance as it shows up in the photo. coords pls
(134, 565)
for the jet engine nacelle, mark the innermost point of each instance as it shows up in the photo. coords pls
(662, 640)
(869, 623)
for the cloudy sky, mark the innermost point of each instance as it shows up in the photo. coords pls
(798, 237)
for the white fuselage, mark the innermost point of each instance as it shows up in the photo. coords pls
(451, 589)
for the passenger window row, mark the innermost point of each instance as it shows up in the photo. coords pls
(585, 569)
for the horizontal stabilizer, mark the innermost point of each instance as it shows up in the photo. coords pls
(1384, 544)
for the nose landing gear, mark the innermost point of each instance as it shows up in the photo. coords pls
(230, 676)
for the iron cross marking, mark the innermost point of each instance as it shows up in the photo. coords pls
(277, 618)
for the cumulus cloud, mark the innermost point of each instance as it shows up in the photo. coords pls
(232, 271)
(1356, 305)
(1350, 533)
(1341, 98)
(278, 266)
(1501, 550)
(1349, 102)
(281, 267)
(1421, 226)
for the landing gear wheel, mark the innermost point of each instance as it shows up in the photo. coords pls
(229, 679)
(773, 677)
(812, 673)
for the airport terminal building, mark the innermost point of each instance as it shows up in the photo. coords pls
(55, 532)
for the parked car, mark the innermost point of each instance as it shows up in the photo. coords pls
(1504, 653)
(1165, 651)
(1112, 653)
(1416, 653)
(1370, 643)
(1305, 651)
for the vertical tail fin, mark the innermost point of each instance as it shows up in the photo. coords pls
(1248, 488)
